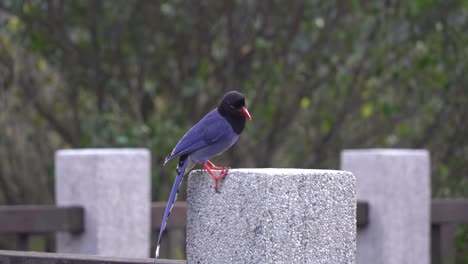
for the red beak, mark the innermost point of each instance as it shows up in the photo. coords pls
(246, 113)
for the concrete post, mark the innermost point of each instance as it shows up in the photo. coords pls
(272, 216)
(396, 183)
(113, 185)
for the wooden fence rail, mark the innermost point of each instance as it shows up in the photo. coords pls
(27, 220)
(21, 257)
(38, 219)
(445, 215)
(34, 219)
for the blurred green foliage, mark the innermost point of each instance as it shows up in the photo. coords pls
(319, 77)
(321, 74)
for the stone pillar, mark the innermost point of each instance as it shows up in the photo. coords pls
(396, 184)
(113, 186)
(272, 216)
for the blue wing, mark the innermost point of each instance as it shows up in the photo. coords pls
(208, 130)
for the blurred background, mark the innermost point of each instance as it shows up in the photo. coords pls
(319, 77)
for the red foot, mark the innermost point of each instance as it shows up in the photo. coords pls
(209, 166)
(213, 167)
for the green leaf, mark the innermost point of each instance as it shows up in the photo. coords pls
(14, 24)
(425, 61)
(367, 109)
(40, 43)
(325, 126)
(305, 102)
(387, 109)
(404, 129)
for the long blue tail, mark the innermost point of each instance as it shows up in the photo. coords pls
(183, 163)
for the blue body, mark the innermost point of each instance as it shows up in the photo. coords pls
(211, 136)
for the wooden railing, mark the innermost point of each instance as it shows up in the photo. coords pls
(445, 215)
(28, 220)
(24, 221)
(21, 257)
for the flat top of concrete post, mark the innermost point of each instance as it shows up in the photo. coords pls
(388, 152)
(102, 151)
(285, 171)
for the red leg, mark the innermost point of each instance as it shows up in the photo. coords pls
(215, 177)
(213, 167)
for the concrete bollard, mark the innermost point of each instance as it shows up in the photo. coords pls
(396, 184)
(272, 216)
(113, 185)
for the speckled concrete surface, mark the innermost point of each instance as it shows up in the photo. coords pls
(113, 185)
(272, 216)
(396, 183)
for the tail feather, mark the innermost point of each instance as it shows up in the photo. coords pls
(168, 158)
(181, 168)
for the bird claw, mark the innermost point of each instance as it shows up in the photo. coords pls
(212, 166)
(209, 166)
(220, 177)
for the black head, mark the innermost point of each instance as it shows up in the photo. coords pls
(233, 109)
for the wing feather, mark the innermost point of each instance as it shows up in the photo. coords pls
(208, 130)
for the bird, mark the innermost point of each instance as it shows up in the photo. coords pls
(216, 132)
